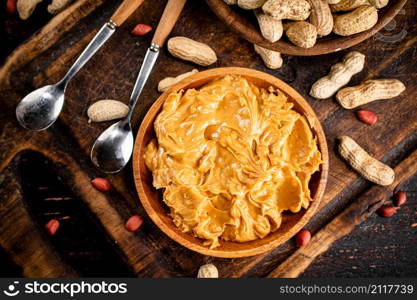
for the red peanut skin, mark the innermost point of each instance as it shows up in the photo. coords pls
(141, 29)
(101, 184)
(133, 223)
(400, 198)
(302, 238)
(367, 117)
(11, 6)
(387, 211)
(52, 226)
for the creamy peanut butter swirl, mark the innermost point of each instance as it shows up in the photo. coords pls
(231, 157)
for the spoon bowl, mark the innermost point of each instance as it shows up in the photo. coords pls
(40, 109)
(113, 148)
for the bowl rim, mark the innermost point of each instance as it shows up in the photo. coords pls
(210, 75)
(247, 30)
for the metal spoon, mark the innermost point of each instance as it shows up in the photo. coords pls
(40, 109)
(113, 148)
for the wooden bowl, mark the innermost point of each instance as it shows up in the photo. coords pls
(239, 21)
(152, 199)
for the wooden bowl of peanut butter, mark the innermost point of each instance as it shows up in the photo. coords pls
(230, 162)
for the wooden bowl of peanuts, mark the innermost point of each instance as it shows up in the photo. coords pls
(306, 27)
(155, 201)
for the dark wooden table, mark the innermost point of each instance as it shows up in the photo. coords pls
(46, 175)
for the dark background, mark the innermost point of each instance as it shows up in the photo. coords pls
(379, 247)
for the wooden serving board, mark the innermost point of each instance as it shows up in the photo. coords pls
(47, 174)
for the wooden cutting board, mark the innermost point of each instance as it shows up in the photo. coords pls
(47, 174)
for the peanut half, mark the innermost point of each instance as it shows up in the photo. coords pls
(271, 29)
(141, 29)
(302, 238)
(134, 223)
(400, 198)
(359, 20)
(52, 226)
(297, 10)
(321, 17)
(340, 74)
(230, 2)
(272, 59)
(11, 6)
(369, 167)
(368, 91)
(387, 211)
(302, 34)
(190, 50)
(367, 116)
(106, 110)
(167, 82)
(101, 184)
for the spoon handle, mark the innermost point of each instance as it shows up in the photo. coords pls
(125, 10)
(166, 23)
(121, 14)
(99, 39)
(169, 18)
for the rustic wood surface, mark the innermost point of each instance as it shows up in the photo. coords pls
(46, 174)
(363, 207)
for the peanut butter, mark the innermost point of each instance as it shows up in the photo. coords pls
(231, 158)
